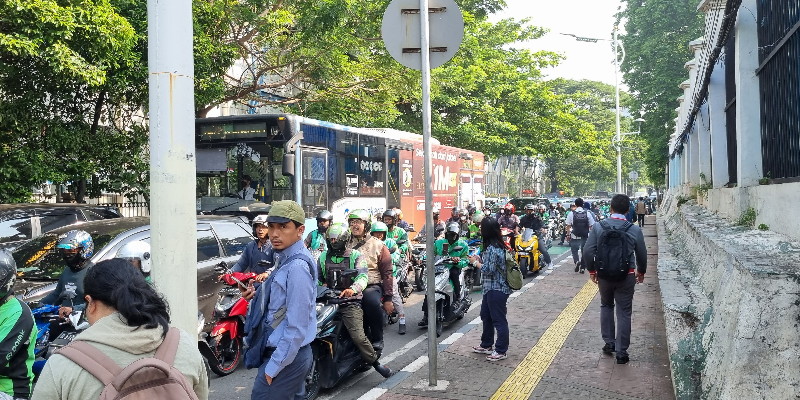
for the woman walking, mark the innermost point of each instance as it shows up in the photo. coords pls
(495, 292)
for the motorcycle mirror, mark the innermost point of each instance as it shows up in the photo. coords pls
(458, 248)
(265, 263)
(402, 242)
(220, 267)
(416, 251)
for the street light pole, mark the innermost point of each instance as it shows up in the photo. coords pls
(618, 59)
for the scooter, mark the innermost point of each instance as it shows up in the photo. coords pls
(507, 234)
(418, 258)
(474, 278)
(527, 252)
(335, 356)
(225, 339)
(446, 311)
(43, 317)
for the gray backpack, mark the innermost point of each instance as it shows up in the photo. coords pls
(144, 379)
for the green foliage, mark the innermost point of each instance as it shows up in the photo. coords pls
(748, 218)
(656, 42)
(763, 227)
(682, 200)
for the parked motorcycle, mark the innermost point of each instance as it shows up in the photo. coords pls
(335, 356)
(225, 339)
(446, 311)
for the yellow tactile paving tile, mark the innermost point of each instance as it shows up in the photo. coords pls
(521, 383)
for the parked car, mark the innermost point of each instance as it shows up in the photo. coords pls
(22, 222)
(520, 203)
(219, 240)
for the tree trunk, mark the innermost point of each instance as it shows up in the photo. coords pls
(81, 192)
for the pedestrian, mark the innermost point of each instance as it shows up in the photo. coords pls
(291, 309)
(579, 223)
(129, 321)
(495, 292)
(641, 210)
(617, 294)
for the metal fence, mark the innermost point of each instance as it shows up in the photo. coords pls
(730, 106)
(131, 209)
(779, 76)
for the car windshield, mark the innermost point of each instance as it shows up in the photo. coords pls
(519, 204)
(39, 260)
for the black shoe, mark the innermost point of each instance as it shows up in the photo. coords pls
(577, 266)
(382, 369)
(583, 270)
(378, 346)
(423, 323)
(608, 348)
(402, 329)
(623, 360)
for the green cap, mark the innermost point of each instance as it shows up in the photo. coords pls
(286, 210)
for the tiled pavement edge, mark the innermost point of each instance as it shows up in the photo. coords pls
(579, 370)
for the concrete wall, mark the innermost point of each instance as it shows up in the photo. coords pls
(774, 205)
(731, 300)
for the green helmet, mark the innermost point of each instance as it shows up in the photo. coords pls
(335, 231)
(363, 215)
(477, 217)
(378, 226)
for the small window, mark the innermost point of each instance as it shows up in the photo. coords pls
(207, 246)
(233, 237)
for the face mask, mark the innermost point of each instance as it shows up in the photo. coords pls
(337, 247)
(322, 229)
(73, 261)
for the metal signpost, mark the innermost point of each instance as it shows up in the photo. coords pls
(407, 33)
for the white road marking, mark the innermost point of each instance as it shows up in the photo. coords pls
(452, 338)
(373, 394)
(515, 294)
(416, 364)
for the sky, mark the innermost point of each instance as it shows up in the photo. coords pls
(586, 18)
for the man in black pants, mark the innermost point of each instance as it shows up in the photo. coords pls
(617, 336)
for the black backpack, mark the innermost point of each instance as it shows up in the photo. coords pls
(613, 257)
(580, 223)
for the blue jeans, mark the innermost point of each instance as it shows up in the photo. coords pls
(493, 315)
(290, 382)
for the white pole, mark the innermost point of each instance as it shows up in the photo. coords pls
(618, 140)
(173, 235)
(426, 143)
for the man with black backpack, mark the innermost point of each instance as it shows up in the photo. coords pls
(579, 222)
(616, 258)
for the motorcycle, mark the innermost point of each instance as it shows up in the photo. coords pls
(527, 253)
(402, 265)
(335, 356)
(44, 316)
(474, 278)
(507, 234)
(445, 313)
(418, 258)
(225, 338)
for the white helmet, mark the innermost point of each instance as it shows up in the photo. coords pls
(137, 250)
(259, 219)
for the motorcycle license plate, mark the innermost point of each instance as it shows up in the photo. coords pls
(523, 253)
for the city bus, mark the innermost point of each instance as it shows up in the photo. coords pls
(323, 165)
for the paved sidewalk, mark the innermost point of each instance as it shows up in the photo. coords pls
(558, 316)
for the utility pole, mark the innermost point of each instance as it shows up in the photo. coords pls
(173, 220)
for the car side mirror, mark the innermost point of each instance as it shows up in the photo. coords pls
(287, 166)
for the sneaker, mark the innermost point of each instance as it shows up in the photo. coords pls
(495, 356)
(583, 270)
(608, 348)
(385, 371)
(482, 350)
(577, 266)
(402, 329)
(623, 360)
(550, 265)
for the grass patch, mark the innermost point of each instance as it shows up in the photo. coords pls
(748, 218)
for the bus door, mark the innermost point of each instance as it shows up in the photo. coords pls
(314, 185)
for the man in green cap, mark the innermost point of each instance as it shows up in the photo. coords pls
(291, 314)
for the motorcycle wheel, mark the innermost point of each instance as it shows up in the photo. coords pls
(229, 355)
(439, 319)
(312, 381)
(523, 267)
(419, 279)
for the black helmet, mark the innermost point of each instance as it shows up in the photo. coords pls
(390, 213)
(324, 215)
(8, 273)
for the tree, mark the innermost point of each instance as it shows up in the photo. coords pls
(657, 38)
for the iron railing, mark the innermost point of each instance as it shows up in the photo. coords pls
(131, 209)
(779, 76)
(730, 106)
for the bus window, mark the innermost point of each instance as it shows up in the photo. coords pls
(315, 194)
(347, 152)
(372, 166)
